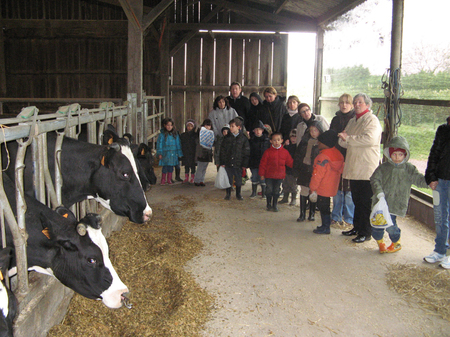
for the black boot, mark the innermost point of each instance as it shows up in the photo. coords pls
(177, 173)
(269, 202)
(293, 197)
(254, 188)
(285, 199)
(312, 211)
(238, 193)
(303, 201)
(275, 202)
(228, 195)
(263, 191)
(326, 222)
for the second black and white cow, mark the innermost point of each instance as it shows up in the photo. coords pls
(8, 302)
(76, 253)
(106, 173)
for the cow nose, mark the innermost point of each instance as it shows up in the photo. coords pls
(148, 213)
(126, 301)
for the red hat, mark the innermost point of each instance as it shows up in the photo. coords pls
(395, 149)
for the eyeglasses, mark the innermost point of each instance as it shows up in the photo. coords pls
(304, 111)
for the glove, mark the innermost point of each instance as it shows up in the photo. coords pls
(313, 197)
(380, 195)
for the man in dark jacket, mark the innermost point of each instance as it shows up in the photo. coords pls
(240, 103)
(437, 176)
(234, 155)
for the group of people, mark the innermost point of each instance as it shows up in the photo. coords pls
(286, 146)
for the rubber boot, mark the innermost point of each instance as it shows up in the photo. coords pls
(228, 195)
(238, 193)
(177, 173)
(394, 247)
(254, 188)
(275, 202)
(326, 222)
(293, 198)
(303, 201)
(382, 246)
(263, 191)
(169, 178)
(186, 178)
(269, 202)
(312, 211)
(285, 199)
(192, 178)
(163, 178)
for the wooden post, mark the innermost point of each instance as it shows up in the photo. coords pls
(318, 70)
(2, 66)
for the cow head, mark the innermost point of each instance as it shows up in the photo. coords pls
(81, 258)
(8, 302)
(121, 190)
(145, 159)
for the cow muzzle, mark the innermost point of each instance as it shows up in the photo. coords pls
(126, 301)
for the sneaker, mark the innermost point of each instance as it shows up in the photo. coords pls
(445, 263)
(434, 257)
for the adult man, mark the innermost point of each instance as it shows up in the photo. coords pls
(240, 103)
(437, 176)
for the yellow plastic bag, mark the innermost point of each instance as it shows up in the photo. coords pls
(380, 216)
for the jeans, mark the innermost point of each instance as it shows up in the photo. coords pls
(441, 215)
(273, 187)
(167, 169)
(393, 231)
(343, 205)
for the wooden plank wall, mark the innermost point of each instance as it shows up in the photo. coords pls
(208, 64)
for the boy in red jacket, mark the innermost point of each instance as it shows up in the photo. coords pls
(328, 167)
(272, 168)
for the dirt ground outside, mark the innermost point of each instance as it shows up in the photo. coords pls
(272, 276)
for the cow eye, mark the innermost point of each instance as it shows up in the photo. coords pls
(92, 260)
(125, 175)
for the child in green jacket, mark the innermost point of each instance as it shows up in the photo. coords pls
(392, 180)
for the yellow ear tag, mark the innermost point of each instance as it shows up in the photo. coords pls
(66, 215)
(110, 141)
(103, 161)
(1, 276)
(46, 233)
(142, 152)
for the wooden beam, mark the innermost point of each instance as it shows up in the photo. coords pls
(281, 6)
(130, 11)
(155, 13)
(301, 27)
(338, 10)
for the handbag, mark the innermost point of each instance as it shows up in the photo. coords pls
(222, 180)
(380, 216)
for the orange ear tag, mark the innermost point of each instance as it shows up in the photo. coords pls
(66, 215)
(110, 141)
(1, 276)
(142, 152)
(103, 161)
(46, 233)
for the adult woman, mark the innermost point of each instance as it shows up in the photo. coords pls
(273, 109)
(291, 119)
(256, 105)
(343, 206)
(221, 114)
(307, 118)
(361, 138)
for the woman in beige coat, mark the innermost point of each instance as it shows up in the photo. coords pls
(361, 138)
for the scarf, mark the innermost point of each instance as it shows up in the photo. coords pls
(361, 114)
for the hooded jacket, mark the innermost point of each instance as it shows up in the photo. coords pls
(273, 163)
(395, 180)
(258, 145)
(188, 145)
(439, 158)
(168, 145)
(328, 167)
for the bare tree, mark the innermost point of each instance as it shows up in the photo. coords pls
(427, 58)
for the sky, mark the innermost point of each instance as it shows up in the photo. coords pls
(425, 23)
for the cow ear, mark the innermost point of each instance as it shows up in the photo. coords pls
(106, 158)
(109, 137)
(129, 137)
(6, 255)
(93, 220)
(66, 213)
(142, 150)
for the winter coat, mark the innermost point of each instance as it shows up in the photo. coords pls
(257, 147)
(328, 167)
(220, 117)
(254, 112)
(234, 151)
(272, 113)
(202, 154)
(395, 180)
(273, 163)
(363, 147)
(302, 171)
(289, 123)
(291, 149)
(168, 145)
(304, 125)
(338, 124)
(188, 146)
(439, 158)
(242, 106)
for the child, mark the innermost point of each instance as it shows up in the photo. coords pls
(218, 142)
(305, 154)
(234, 156)
(393, 180)
(188, 147)
(259, 142)
(203, 152)
(168, 149)
(272, 168)
(328, 167)
(289, 183)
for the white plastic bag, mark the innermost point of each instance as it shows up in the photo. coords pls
(222, 180)
(380, 217)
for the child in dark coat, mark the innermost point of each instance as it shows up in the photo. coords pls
(272, 168)
(259, 142)
(289, 183)
(188, 145)
(203, 152)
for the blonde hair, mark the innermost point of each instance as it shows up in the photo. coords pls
(294, 98)
(270, 90)
(348, 97)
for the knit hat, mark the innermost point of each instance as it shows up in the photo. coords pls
(192, 122)
(395, 149)
(329, 138)
(293, 133)
(226, 127)
(258, 124)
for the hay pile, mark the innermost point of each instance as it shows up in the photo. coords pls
(429, 287)
(149, 259)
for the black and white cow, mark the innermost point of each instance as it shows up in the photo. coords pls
(106, 173)
(76, 253)
(8, 302)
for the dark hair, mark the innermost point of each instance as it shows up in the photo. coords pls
(165, 121)
(218, 98)
(207, 121)
(276, 133)
(237, 121)
(236, 83)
